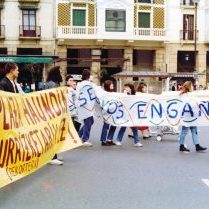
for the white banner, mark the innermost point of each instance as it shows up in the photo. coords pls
(168, 109)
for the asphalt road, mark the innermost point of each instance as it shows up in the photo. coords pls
(156, 176)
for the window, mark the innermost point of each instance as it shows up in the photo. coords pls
(188, 2)
(144, 1)
(188, 27)
(3, 51)
(29, 19)
(143, 20)
(79, 17)
(115, 21)
(28, 29)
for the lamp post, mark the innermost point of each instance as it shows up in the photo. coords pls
(196, 2)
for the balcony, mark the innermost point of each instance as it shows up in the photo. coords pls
(76, 32)
(29, 32)
(149, 34)
(2, 31)
(188, 35)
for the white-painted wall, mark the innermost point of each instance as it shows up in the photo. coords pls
(12, 19)
(175, 19)
(103, 5)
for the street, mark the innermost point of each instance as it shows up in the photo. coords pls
(156, 176)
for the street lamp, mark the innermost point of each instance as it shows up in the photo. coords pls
(196, 2)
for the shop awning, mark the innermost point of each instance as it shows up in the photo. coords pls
(27, 59)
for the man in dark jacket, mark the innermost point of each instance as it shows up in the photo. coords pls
(8, 82)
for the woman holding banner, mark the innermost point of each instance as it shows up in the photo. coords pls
(129, 89)
(54, 79)
(86, 96)
(107, 129)
(188, 87)
(71, 83)
(142, 88)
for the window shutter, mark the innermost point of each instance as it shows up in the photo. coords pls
(144, 20)
(79, 17)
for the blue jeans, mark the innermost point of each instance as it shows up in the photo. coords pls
(184, 132)
(105, 129)
(135, 134)
(84, 132)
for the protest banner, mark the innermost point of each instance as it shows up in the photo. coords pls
(171, 109)
(33, 128)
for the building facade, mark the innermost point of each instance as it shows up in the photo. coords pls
(27, 30)
(134, 35)
(112, 36)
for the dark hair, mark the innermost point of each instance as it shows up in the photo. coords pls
(68, 77)
(54, 75)
(131, 86)
(9, 67)
(107, 85)
(141, 86)
(86, 74)
(133, 91)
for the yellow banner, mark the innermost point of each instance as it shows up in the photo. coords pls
(33, 127)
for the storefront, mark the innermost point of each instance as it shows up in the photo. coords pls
(31, 68)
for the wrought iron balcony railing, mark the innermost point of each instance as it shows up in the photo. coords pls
(188, 35)
(28, 31)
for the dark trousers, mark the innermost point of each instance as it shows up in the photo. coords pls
(84, 132)
(107, 128)
(76, 124)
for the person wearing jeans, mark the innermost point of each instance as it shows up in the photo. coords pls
(107, 129)
(84, 132)
(188, 87)
(107, 134)
(130, 90)
(135, 136)
(184, 132)
(86, 97)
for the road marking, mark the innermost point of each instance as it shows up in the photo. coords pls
(206, 182)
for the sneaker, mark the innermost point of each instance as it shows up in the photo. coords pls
(138, 144)
(111, 143)
(130, 136)
(87, 144)
(200, 148)
(105, 143)
(182, 148)
(55, 162)
(118, 143)
(60, 158)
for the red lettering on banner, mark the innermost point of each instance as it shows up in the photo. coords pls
(46, 105)
(3, 154)
(27, 114)
(32, 112)
(55, 107)
(41, 113)
(62, 129)
(10, 152)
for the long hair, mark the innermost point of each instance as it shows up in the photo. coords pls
(141, 87)
(187, 87)
(107, 85)
(54, 75)
(131, 86)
